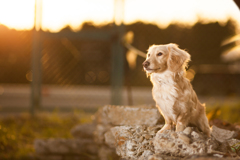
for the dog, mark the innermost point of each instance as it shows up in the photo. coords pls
(172, 91)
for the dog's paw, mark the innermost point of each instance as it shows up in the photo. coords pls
(180, 128)
(164, 128)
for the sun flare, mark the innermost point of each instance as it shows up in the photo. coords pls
(56, 14)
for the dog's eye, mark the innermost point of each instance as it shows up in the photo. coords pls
(159, 54)
(148, 55)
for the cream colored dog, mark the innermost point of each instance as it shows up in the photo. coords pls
(172, 91)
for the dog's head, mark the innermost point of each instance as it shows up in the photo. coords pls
(163, 57)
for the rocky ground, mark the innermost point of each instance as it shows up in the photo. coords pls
(123, 132)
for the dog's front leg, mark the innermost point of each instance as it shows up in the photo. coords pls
(181, 124)
(167, 125)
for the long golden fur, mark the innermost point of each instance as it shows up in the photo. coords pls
(172, 91)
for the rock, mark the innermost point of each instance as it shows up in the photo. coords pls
(110, 116)
(147, 136)
(58, 146)
(162, 157)
(83, 131)
(129, 115)
(218, 155)
(105, 153)
(40, 146)
(184, 138)
(222, 135)
(170, 144)
(134, 142)
(234, 145)
(179, 144)
(145, 155)
(140, 142)
(213, 145)
(196, 135)
(174, 135)
(109, 139)
(233, 142)
(187, 130)
(99, 133)
(64, 146)
(155, 157)
(141, 139)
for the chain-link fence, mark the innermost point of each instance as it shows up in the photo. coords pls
(78, 72)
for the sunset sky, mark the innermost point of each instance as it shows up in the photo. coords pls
(56, 14)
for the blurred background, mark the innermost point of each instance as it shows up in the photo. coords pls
(60, 60)
(70, 54)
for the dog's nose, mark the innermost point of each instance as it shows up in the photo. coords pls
(146, 64)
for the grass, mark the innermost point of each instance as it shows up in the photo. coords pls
(17, 132)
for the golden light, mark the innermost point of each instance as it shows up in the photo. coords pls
(164, 12)
(131, 59)
(17, 14)
(56, 14)
(190, 74)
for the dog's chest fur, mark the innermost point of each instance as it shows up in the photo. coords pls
(165, 93)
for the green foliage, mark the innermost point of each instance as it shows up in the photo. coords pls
(17, 133)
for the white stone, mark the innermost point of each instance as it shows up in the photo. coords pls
(181, 145)
(131, 143)
(184, 138)
(129, 115)
(64, 146)
(195, 135)
(222, 135)
(109, 139)
(155, 157)
(100, 131)
(145, 155)
(233, 142)
(83, 130)
(187, 130)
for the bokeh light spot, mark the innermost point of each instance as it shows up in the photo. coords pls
(103, 76)
(29, 76)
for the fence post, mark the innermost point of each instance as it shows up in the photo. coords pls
(36, 72)
(117, 75)
(36, 65)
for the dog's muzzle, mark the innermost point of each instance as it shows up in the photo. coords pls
(146, 64)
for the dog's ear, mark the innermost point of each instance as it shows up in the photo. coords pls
(177, 58)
